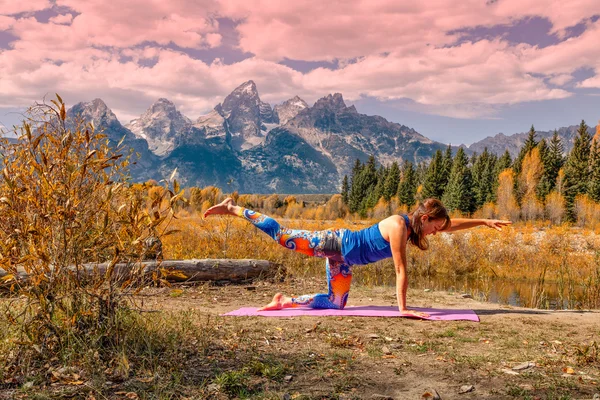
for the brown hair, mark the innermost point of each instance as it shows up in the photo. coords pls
(434, 209)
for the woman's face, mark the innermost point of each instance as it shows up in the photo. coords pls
(431, 226)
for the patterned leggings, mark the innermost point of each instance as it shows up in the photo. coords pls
(312, 243)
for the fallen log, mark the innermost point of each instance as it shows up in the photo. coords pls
(187, 270)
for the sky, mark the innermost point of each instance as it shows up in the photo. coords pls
(455, 71)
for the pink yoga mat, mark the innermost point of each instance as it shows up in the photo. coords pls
(436, 314)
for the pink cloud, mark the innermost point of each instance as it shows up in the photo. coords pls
(62, 19)
(9, 7)
(348, 29)
(124, 24)
(6, 22)
(388, 50)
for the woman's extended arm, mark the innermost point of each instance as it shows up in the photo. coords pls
(466, 223)
(397, 234)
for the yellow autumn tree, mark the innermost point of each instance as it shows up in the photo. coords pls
(555, 207)
(507, 204)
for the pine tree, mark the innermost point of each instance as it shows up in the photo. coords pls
(356, 195)
(377, 192)
(576, 169)
(345, 190)
(420, 171)
(593, 188)
(459, 194)
(408, 184)
(367, 181)
(544, 186)
(483, 178)
(530, 144)
(504, 162)
(433, 185)
(553, 160)
(446, 166)
(392, 181)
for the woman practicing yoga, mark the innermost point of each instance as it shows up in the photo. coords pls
(343, 248)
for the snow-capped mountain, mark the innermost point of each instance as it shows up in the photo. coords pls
(142, 166)
(244, 144)
(159, 126)
(289, 109)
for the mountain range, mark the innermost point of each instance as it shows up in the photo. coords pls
(247, 145)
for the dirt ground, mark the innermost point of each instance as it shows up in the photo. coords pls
(511, 353)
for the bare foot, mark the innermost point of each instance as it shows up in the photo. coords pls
(279, 302)
(226, 207)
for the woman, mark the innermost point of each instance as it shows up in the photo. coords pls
(343, 248)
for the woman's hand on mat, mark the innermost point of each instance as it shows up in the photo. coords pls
(414, 313)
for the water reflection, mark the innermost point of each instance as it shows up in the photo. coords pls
(503, 291)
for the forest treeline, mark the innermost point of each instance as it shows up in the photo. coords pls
(541, 183)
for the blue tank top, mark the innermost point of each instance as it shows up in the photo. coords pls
(367, 245)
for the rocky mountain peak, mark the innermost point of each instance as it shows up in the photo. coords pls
(245, 90)
(334, 102)
(289, 109)
(95, 111)
(245, 115)
(160, 125)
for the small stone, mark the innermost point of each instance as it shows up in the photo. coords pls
(466, 389)
(288, 378)
(509, 371)
(386, 350)
(213, 387)
(523, 366)
(466, 296)
(596, 396)
(287, 397)
(28, 385)
(427, 290)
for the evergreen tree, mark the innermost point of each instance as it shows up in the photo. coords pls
(553, 160)
(355, 196)
(459, 193)
(483, 178)
(433, 185)
(504, 162)
(576, 169)
(345, 190)
(408, 184)
(365, 184)
(392, 181)
(376, 193)
(446, 166)
(420, 172)
(530, 144)
(593, 188)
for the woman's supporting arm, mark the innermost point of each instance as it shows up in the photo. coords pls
(398, 236)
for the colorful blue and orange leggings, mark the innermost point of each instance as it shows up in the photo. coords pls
(326, 244)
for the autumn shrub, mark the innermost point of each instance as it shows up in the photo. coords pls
(72, 236)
